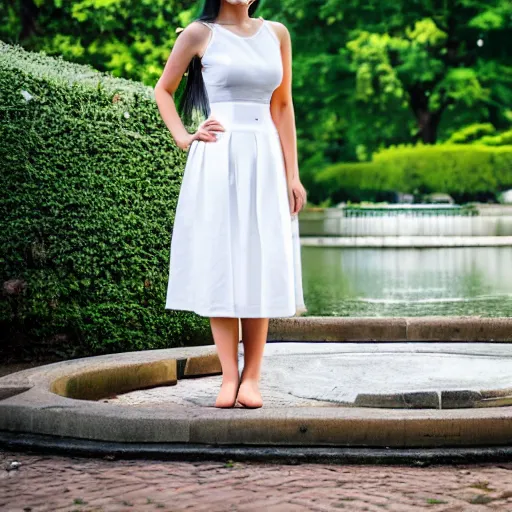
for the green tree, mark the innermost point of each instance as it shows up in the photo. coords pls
(380, 72)
(130, 38)
(434, 56)
(366, 75)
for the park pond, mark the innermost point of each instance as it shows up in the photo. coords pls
(378, 282)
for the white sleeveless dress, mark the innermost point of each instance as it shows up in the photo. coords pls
(235, 249)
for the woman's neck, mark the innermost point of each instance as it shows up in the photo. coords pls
(233, 14)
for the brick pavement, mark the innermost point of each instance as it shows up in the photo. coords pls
(57, 483)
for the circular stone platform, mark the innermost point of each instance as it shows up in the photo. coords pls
(394, 375)
(316, 394)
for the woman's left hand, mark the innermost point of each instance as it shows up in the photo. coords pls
(297, 195)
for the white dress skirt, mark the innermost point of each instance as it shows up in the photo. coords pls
(235, 248)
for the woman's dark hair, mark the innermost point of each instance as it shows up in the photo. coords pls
(194, 96)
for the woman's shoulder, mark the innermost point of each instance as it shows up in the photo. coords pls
(279, 28)
(196, 32)
(201, 24)
(275, 23)
(196, 28)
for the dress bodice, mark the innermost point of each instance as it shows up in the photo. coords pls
(242, 68)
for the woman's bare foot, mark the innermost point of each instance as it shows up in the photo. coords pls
(227, 393)
(249, 394)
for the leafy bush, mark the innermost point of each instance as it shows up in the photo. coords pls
(481, 133)
(90, 181)
(471, 133)
(466, 172)
(501, 139)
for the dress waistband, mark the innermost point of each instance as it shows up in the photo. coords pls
(243, 115)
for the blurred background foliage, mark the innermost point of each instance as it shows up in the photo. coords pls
(367, 74)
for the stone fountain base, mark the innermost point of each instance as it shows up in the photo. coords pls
(316, 394)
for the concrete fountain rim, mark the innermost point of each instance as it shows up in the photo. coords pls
(32, 405)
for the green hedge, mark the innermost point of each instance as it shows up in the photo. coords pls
(501, 139)
(90, 179)
(481, 133)
(467, 172)
(471, 133)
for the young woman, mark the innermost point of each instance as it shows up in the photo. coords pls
(235, 251)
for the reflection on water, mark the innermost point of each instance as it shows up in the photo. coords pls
(408, 282)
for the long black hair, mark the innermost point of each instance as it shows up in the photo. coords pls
(194, 97)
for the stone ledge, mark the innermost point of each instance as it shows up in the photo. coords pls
(415, 241)
(41, 411)
(417, 400)
(392, 329)
(98, 383)
(435, 328)
(325, 328)
(309, 426)
(416, 457)
(8, 390)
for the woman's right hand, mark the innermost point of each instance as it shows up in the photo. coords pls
(205, 132)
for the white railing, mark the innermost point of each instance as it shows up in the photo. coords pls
(403, 220)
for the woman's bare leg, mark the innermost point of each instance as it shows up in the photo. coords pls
(226, 337)
(254, 337)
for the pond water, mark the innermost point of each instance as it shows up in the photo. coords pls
(407, 282)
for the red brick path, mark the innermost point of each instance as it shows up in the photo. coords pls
(57, 483)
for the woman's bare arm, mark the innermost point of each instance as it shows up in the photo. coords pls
(191, 42)
(283, 114)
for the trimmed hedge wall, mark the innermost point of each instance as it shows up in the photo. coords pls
(467, 172)
(90, 180)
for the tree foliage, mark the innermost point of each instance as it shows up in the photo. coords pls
(130, 38)
(367, 74)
